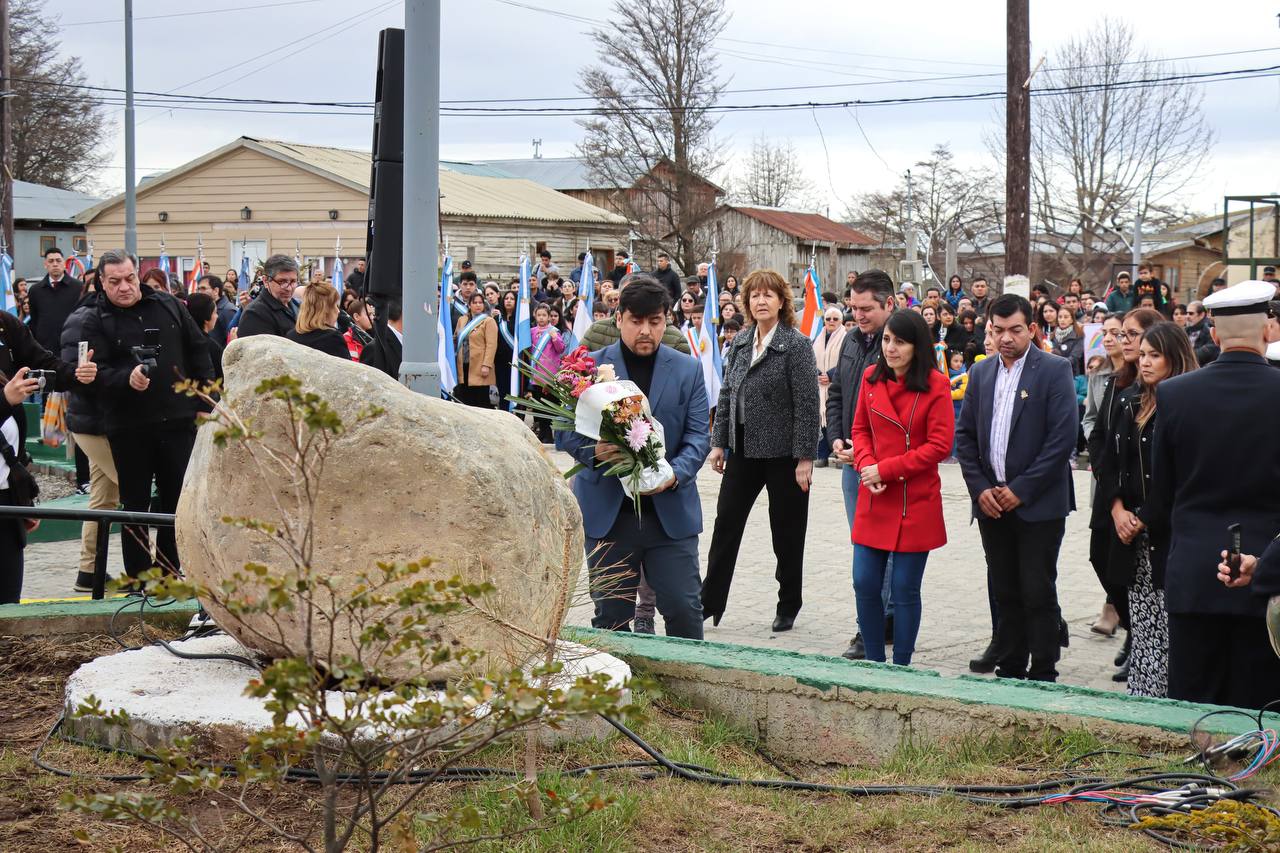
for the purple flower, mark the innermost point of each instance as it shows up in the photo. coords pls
(638, 434)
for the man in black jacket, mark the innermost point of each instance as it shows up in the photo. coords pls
(274, 312)
(1198, 331)
(668, 278)
(387, 349)
(355, 279)
(149, 426)
(52, 299)
(872, 300)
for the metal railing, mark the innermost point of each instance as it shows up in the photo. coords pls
(110, 516)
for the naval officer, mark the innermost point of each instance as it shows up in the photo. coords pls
(1216, 462)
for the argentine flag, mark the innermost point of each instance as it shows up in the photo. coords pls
(523, 333)
(6, 282)
(444, 343)
(586, 300)
(708, 346)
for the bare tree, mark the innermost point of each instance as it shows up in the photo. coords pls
(937, 199)
(772, 177)
(1112, 148)
(59, 132)
(651, 133)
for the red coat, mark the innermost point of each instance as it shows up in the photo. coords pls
(906, 433)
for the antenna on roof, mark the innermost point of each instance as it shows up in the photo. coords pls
(537, 149)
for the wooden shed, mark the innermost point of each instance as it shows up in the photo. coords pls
(783, 240)
(259, 197)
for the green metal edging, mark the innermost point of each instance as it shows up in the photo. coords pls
(823, 672)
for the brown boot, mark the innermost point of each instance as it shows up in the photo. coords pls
(1107, 622)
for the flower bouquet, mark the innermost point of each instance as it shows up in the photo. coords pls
(592, 401)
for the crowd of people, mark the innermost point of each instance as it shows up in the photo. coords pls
(893, 385)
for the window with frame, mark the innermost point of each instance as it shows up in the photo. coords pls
(47, 242)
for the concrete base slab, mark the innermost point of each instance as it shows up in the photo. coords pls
(167, 697)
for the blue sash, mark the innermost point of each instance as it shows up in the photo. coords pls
(542, 345)
(507, 334)
(460, 307)
(470, 327)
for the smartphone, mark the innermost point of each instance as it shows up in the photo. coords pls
(1233, 550)
(83, 352)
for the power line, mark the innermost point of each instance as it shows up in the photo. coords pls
(192, 14)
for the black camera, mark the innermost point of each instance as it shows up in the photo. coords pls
(147, 354)
(44, 378)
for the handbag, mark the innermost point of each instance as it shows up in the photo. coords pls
(23, 488)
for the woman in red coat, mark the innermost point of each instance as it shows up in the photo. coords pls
(902, 429)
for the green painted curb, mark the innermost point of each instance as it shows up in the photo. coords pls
(823, 672)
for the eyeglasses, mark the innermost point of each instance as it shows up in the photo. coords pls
(1128, 336)
(286, 282)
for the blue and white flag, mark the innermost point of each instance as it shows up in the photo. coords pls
(523, 332)
(586, 299)
(244, 280)
(163, 263)
(445, 354)
(88, 258)
(6, 283)
(338, 274)
(708, 345)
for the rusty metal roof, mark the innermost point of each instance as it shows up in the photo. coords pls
(805, 226)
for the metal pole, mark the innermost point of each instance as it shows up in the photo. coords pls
(1017, 217)
(6, 138)
(1137, 242)
(420, 369)
(130, 191)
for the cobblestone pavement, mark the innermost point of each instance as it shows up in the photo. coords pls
(955, 625)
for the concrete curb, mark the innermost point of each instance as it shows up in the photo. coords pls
(84, 616)
(828, 709)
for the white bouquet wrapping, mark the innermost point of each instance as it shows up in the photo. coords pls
(616, 411)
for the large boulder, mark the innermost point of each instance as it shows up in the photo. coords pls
(469, 488)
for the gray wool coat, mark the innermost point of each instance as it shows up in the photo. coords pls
(778, 397)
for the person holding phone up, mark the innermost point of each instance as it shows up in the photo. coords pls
(144, 342)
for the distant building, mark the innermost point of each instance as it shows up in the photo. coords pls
(259, 197)
(44, 218)
(752, 238)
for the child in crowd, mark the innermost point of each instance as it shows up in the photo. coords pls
(728, 330)
(959, 375)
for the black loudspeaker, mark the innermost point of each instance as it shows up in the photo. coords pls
(383, 241)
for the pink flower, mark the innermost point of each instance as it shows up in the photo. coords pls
(638, 434)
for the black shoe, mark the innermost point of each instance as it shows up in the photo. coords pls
(783, 623)
(1122, 674)
(888, 630)
(1064, 638)
(1122, 657)
(714, 617)
(985, 662)
(857, 649)
(84, 582)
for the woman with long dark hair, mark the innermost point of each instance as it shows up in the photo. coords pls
(476, 346)
(506, 320)
(955, 292)
(902, 428)
(1165, 352)
(1102, 459)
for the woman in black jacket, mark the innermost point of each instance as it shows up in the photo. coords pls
(1067, 340)
(506, 320)
(316, 326)
(1165, 352)
(767, 418)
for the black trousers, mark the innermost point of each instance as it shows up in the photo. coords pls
(670, 566)
(1222, 660)
(1099, 555)
(143, 456)
(13, 539)
(1022, 573)
(788, 520)
(473, 395)
(82, 467)
(541, 426)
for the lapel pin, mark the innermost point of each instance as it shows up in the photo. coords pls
(1024, 394)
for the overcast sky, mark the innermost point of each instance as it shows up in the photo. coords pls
(327, 50)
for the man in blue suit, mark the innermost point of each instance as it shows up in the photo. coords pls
(663, 542)
(1013, 441)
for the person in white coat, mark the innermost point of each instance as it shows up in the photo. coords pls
(826, 351)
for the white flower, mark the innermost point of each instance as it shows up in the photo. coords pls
(606, 373)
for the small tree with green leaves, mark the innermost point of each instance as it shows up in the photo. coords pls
(365, 739)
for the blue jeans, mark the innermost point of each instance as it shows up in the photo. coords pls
(824, 447)
(849, 484)
(869, 574)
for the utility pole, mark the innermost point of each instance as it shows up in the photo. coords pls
(420, 369)
(6, 137)
(130, 184)
(1017, 217)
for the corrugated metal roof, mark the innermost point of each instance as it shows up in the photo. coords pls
(559, 173)
(36, 201)
(482, 169)
(463, 194)
(806, 226)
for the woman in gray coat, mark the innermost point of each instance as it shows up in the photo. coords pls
(765, 435)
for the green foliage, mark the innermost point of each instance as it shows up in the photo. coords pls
(346, 718)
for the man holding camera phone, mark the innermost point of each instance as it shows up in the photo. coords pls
(144, 342)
